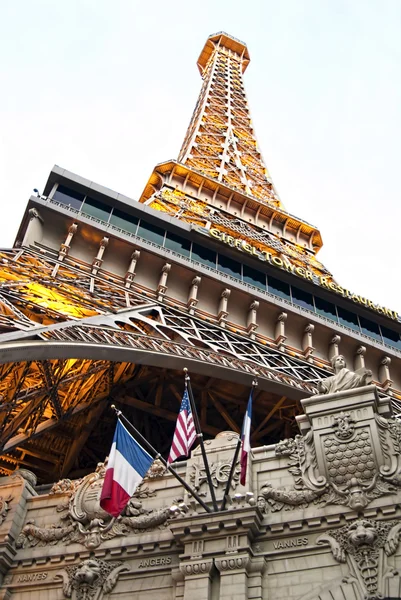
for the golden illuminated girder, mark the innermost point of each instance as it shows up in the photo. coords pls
(180, 205)
(220, 141)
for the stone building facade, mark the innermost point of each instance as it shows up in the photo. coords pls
(317, 520)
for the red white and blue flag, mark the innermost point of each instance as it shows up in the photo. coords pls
(127, 465)
(184, 434)
(246, 439)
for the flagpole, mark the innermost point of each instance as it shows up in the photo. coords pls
(200, 438)
(157, 455)
(234, 463)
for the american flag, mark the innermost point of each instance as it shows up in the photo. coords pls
(184, 434)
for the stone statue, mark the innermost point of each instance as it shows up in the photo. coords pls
(343, 379)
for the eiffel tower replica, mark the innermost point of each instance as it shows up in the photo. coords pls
(105, 299)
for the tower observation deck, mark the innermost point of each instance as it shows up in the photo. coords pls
(105, 299)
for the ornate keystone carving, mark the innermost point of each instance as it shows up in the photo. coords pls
(91, 579)
(360, 544)
(344, 426)
(343, 379)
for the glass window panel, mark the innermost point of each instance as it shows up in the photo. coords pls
(96, 209)
(301, 298)
(124, 221)
(348, 318)
(391, 337)
(229, 266)
(279, 288)
(326, 309)
(370, 328)
(177, 243)
(151, 232)
(68, 197)
(204, 255)
(254, 277)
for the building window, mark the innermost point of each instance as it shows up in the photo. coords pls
(348, 318)
(96, 209)
(229, 266)
(254, 277)
(68, 197)
(302, 298)
(151, 233)
(204, 255)
(279, 288)
(326, 309)
(391, 337)
(124, 221)
(369, 328)
(177, 244)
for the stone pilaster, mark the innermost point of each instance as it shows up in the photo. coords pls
(233, 576)
(197, 579)
(279, 333)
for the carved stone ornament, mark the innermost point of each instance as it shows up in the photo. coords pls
(91, 579)
(343, 378)
(4, 507)
(219, 472)
(354, 478)
(361, 545)
(83, 521)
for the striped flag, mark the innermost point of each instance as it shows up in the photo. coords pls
(184, 434)
(246, 439)
(127, 466)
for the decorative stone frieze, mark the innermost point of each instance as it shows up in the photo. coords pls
(83, 521)
(92, 579)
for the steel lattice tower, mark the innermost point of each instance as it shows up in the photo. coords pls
(220, 141)
(106, 299)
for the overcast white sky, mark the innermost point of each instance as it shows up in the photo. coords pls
(106, 89)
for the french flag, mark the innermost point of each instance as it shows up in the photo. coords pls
(246, 439)
(127, 466)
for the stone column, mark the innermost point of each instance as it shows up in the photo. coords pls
(334, 346)
(307, 342)
(34, 231)
(359, 359)
(384, 373)
(251, 320)
(233, 576)
(65, 247)
(162, 287)
(130, 274)
(193, 294)
(197, 579)
(279, 333)
(222, 310)
(256, 568)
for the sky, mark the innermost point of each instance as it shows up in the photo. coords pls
(106, 89)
